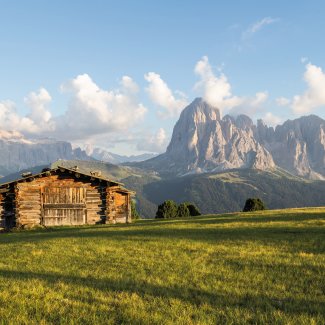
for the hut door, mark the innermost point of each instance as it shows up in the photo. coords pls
(64, 206)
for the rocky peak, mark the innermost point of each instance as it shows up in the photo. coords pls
(244, 122)
(202, 142)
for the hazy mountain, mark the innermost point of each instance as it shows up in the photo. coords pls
(18, 153)
(106, 156)
(202, 141)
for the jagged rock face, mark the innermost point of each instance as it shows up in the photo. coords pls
(17, 154)
(202, 142)
(298, 146)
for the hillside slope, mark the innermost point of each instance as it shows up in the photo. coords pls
(211, 192)
(228, 191)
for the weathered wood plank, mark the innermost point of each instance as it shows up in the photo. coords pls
(64, 205)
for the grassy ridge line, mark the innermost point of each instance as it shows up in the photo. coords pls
(264, 267)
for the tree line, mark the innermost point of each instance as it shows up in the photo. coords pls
(170, 209)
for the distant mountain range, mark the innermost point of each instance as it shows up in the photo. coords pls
(19, 153)
(106, 156)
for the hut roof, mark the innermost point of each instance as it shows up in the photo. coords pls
(30, 176)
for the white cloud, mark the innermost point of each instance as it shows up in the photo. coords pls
(11, 120)
(258, 25)
(282, 101)
(314, 96)
(93, 110)
(129, 85)
(271, 119)
(259, 99)
(40, 114)
(216, 90)
(154, 143)
(303, 60)
(36, 122)
(161, 94)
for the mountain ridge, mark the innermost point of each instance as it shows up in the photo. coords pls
(202, 141)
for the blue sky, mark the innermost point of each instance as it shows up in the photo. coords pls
(116, 74)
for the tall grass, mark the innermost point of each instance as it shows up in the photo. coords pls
(229, 269)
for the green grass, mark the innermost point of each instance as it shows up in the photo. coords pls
(259, 268)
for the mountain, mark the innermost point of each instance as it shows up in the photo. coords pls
(18, 153)
(297, 146)
(203, 142)
(106, 156)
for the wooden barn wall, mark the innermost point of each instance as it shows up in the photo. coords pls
(96, 204)
(29, 201)
(2, 217)
(118, 207)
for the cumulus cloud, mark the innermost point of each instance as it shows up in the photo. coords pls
(38, 102)
(154, 143)
(162, 95)
(282, 101)
(93, 110)
(271, 119)
(258, 25)
(216, 90)
(314, 95)
(37, 121)
(11, 120)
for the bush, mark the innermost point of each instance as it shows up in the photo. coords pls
(193, 209)
(254, 204)
(166, 210)
(182, 211)
(134, 213)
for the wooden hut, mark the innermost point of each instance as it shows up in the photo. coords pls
(63, 196)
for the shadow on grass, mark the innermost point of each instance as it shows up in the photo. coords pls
(191, 295)
(204, 228)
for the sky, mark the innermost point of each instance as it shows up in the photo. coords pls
(117, 74)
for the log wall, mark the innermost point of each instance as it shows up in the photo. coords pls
(101, 202)
(119, 205)
(2, 217)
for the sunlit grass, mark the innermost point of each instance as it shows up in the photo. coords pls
(228, 269)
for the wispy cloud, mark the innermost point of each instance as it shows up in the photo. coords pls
(257, 26)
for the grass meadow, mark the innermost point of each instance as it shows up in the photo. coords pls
(257, 268)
